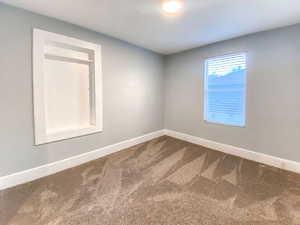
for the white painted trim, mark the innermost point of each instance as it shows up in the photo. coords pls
(285, 164)
(52, 168)
(43, 38)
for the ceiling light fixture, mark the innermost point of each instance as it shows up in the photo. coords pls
(171, 6)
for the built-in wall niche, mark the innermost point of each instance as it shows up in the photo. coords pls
(67, 83)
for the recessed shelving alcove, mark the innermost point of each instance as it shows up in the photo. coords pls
(67, 87)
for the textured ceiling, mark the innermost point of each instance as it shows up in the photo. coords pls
(141, 22)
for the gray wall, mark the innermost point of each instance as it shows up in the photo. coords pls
(273, 95)
(134, 97)
(133, 92)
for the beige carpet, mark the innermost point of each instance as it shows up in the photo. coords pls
(161, 182)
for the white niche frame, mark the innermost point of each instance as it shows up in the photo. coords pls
(70, 52)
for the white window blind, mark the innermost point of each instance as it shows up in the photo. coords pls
(225, 89)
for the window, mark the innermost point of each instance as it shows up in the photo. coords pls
(225, 89)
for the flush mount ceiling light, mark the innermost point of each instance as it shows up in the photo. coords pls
(171, 6)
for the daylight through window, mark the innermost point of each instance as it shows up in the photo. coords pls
(225, 89)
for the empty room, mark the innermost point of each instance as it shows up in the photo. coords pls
(150, 112)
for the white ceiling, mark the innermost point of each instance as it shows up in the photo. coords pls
(142, 23)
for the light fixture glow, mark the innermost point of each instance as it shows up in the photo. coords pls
(171, 6)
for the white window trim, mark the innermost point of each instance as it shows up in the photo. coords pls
(39, 39)
(205, 92)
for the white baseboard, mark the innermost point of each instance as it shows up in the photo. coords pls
(285, 164)
(52, 168)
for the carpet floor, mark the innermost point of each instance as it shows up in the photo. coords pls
(161, 182)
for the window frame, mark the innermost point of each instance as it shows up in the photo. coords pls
(205, 89)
